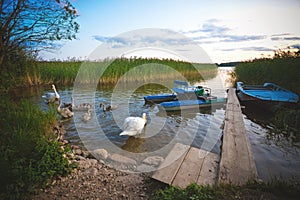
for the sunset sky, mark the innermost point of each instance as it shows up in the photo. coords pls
(230, 30)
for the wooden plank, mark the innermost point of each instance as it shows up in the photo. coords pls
(237, 164)
(169, 168)
(209, 171)
(190, 168)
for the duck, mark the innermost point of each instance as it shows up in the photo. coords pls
(51, 97)
(134, 125)
(108, 108)
(64, 112)
(87, 116)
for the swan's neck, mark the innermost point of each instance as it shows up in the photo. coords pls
(73, 103)
(144, 118)
(56, 93)
(59, 105)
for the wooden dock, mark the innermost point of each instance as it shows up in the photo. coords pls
(235, 165)
(194, 166)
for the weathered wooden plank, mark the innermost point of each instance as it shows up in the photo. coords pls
(209, 171)
(190, 168)
(171, 164)
(237, 164)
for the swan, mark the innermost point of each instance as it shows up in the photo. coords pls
(108, 108)
(87, 116)
(52, 97)
(64, 112)
(134, 125)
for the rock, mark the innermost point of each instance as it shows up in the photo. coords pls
(85, 154)
(100, 154)
(145, 168)
(91, 172)
(122, 160)
(153, 160)
(64, 142)
(77, 151)
(87, 163)
(80, 158)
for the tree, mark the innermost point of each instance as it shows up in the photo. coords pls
(32, 25)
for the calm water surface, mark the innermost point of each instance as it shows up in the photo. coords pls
(275, 154)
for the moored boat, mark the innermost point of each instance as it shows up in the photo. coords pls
(181, 91)
(267, 95)
(191, 104)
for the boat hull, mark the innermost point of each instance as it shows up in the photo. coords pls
(190, 104)
(160, 98)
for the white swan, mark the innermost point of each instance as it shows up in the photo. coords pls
(64, 112)
(51, 97)
(134, 125)
(87, 116)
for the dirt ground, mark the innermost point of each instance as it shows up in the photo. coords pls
(95, 180)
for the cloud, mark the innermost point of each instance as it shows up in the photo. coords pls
(163, 38)
(210, 32)
(249, 49)
(242, 38)
(285, 38)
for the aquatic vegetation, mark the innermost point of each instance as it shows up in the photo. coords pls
(122, 69)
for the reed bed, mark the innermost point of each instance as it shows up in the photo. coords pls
(282, 71)
(122, 69)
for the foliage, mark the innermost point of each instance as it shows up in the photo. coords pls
(28, 26)
(192, 192)
(28, 158)
(31, 25)
(274, 189)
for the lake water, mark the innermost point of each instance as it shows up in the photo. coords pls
(275, 155)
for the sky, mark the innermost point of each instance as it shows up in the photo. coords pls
(226, 30)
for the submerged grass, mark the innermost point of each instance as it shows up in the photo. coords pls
(29, 158)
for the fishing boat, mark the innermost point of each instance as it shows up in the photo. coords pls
(181, 91)
(267, 95)
(185, 91)
(160, 98)
(191, 104)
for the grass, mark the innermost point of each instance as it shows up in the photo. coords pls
(253, 190)
(29, 155)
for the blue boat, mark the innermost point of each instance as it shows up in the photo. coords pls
(268, 94)
(191, 104)
(181, 91)
(185, 91)
(160, 98)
